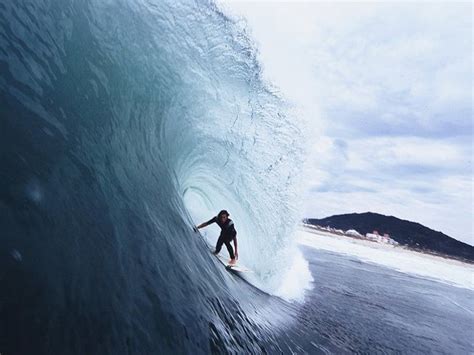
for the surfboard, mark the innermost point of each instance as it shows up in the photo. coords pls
(234, 267)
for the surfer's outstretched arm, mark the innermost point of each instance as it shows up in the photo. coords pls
(201, 225)
(205, 224)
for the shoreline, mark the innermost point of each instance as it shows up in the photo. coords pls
(377, 245)
(453, 272)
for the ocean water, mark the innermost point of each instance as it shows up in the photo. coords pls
(123, 124)
(356, 306)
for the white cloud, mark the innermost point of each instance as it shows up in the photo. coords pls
(391, 152)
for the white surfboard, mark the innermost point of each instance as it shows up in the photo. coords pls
(235, 267)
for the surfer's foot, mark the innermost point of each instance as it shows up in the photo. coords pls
(232, 262)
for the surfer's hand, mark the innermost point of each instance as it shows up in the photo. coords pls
(236, 255)
(195, 229)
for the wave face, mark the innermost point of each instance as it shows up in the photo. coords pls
(122, 125)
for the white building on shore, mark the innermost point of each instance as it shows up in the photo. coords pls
(354, 233)
(376, 237)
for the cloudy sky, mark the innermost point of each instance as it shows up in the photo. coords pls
(387, 90)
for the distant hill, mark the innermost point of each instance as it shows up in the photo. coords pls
(404, 232)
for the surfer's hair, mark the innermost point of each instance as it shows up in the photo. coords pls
(223, 212)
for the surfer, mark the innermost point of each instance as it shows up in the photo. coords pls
(228, 233)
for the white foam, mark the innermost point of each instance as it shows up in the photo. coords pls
(296, 280)
(445, 270)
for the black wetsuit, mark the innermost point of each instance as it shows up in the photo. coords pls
(228, 233)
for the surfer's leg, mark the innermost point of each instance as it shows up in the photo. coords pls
(220, 241)
(230, 249)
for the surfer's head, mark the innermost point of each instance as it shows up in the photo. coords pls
(223, 215)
